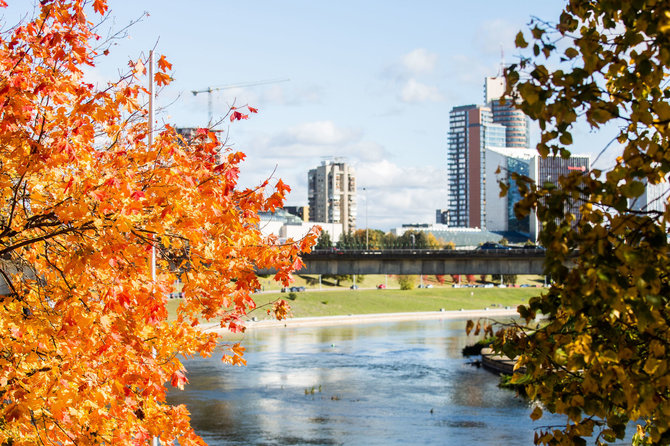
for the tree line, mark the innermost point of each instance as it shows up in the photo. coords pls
(378, 239)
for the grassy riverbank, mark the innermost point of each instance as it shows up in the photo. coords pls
(312, 303)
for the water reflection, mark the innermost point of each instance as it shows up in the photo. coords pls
(377, 384)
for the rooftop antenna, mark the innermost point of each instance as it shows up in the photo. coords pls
(502, 61)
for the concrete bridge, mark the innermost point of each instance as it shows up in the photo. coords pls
(425, 261)
(406, 261)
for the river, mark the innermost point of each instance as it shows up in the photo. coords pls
(374, 384)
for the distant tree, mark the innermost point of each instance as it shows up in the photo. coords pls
(350, 241)
(440, 278)
(471, 278)
(373, 238)
(432, 242)
(407, 282)
(414, 239)
(449, 245)
(389, 241)
(323, 242)
(338, 278)
(482, 278)
(510, 279)
(456, 278)
(503, 241)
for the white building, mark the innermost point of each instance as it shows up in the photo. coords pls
(501, 163)
(285, 225)
(500, 210)
(654, 198)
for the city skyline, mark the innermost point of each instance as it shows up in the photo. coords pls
(372, 83)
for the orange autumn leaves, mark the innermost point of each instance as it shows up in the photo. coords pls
(85, 347)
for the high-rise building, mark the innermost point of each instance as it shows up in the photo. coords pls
(442, 216)
(471, 131)
(332, 194)
(517, 124)
(298, 211)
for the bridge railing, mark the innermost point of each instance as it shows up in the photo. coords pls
(355, 252)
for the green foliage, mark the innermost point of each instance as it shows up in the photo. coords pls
(414, 239)
(292, 296)
(377, 239)
(323, 242)
(602, 357)
(510, 279)
(476, 348)
(407, 282)
(514, 383)
(337, 277)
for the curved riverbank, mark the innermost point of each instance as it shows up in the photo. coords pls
(323, 321)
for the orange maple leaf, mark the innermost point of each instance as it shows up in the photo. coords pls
(100, 6)
(163, 64)
(178, 380)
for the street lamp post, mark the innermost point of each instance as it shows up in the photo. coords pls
(366, 219)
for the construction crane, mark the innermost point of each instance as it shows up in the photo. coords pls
(210, 90)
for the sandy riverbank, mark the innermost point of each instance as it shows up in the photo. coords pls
(371, 318)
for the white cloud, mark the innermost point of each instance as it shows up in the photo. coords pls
(383, 173)
(494, 35)
(367, 151)
(414, 91)
(398, 194)
(419, 61)
(280, 95)
(318, 133)
(312, 141)
(468, 72)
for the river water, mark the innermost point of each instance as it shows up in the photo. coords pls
(375, 384)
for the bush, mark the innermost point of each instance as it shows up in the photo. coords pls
(476, 348)
(292, 296)
(510, 279)
(406, 282)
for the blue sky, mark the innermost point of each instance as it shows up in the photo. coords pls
(371, 81)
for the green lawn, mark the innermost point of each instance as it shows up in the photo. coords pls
(345, 301)
(372, 280)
